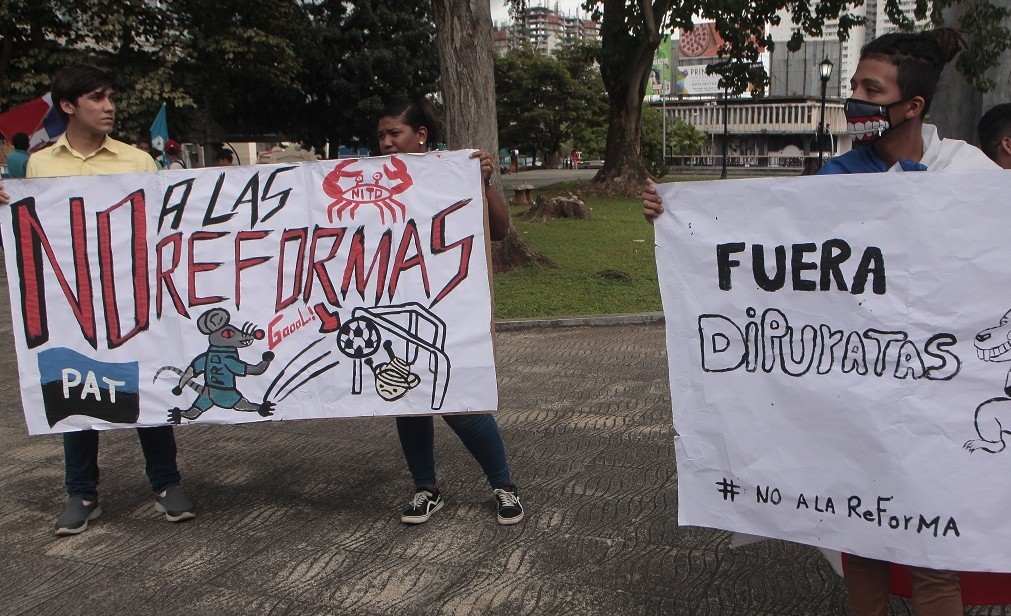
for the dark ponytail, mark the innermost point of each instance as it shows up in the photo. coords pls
(416, 113)
(920, 58)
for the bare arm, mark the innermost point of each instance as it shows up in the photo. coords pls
(498, 213)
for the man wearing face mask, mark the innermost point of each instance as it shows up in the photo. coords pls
(892, 89)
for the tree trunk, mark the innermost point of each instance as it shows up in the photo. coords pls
(624, 66)
(463, 32)
(624, 169)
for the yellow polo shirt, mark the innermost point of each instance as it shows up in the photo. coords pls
(61, 160)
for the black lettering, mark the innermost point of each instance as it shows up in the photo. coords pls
(724, 263)
(758, 267)
(871, 263)
(833, 254)
(798, 265)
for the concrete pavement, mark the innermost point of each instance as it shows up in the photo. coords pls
(301, 517)
(542, 178)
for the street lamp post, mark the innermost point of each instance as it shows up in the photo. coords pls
(723, 174)
(663, 107)
(825, 70)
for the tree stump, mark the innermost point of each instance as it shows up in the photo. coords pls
(513, 252)
(545, 209)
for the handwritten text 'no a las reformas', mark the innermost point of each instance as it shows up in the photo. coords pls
(334, 261)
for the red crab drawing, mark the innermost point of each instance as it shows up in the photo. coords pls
(364, 193)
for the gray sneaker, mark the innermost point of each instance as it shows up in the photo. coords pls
(174, 505)
(76, 516)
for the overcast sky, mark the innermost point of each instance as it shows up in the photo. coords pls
(500, 14)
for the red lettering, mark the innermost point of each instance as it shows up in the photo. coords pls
(107, 272)
(163, 277)
(241, 264)
(195, 268)
(356, 263)
(30, 240)
(318, 267)
(401, 264)
(301, 236)
(440, 246)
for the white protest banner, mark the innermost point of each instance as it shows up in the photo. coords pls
(835, 348)
(227, 295)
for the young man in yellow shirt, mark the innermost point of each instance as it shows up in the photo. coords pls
(84, 98)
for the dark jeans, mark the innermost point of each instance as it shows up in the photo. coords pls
(479, 433)
(80, 451)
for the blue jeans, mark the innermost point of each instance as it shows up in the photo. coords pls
(80, 450)
(479, 433)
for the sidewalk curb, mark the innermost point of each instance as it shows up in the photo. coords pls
(587, 321)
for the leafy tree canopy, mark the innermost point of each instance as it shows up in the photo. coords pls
(313, 70)
(544, 101)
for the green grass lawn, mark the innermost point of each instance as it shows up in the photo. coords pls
(616, 238)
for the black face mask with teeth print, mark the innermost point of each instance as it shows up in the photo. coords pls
(867, 122)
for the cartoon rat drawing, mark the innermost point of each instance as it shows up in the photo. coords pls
(993, 417)
(393, 378)
(220, 365)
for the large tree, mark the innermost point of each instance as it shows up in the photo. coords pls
(135, 40)
(241, 64)
(360, 55)
(463, 31)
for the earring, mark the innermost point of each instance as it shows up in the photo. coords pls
(421, 143)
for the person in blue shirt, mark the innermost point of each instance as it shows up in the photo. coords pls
(893, 87)
(17, 161)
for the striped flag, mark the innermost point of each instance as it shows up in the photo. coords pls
(37, 118)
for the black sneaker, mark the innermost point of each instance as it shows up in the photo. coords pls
(76, 516)
(510, 511)
(425, 502)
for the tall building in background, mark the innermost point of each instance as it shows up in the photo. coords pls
(546, 29)
(796, 73)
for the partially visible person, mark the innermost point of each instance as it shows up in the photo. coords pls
(84, 98)
(412, 127)
(224, 158)
(994, 130)
(17, 160)
(514, 161)
(144, 145)
(174, 152)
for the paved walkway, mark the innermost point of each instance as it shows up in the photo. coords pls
(542, 178)
(301, 517)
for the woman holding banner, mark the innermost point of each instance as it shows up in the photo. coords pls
(892, 89)
(412, 127)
